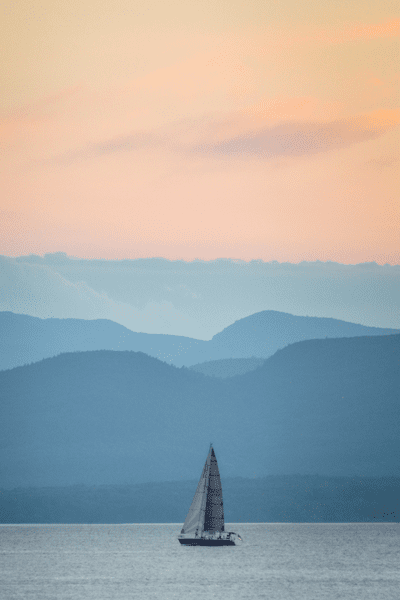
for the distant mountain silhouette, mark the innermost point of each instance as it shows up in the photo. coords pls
(26, 339)
(102, 417)
(199, 298)
(228, 367)
(263, 333)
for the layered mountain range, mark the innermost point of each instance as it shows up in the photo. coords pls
(26, 339)
(328, 406)
(199, 298)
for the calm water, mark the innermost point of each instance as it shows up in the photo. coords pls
(275, 561)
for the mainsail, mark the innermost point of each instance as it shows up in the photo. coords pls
(206, 512)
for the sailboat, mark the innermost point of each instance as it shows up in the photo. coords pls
(204, 524)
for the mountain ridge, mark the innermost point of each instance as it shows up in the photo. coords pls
(199, 298)
(327, 405)
(26, 339)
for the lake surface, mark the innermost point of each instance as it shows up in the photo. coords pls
(275, 561)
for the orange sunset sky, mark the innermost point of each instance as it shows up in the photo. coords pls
(197, 129)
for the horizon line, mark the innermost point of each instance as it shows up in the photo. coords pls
(64, 256)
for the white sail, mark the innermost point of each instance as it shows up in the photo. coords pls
(206, 512)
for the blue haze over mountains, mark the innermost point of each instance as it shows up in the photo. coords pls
(281, 395)
(326, 406)
(26, 339)
(196, 299)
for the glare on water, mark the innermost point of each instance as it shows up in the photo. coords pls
(275, 561)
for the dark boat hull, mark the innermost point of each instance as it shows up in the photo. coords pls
(205, 542)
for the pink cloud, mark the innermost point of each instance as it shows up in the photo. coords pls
(291, 138)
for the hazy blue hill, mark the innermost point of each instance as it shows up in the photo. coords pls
(263, 333)
(332, 403)
(197, 298)
(26, 339)
(228, 367)
(329, 406)
(103, 416)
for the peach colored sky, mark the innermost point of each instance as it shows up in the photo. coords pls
(240, 129)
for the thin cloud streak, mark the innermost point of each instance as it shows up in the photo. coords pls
(297, 139)
(129, 143)
(288, 138)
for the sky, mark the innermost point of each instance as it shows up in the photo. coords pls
(186, 129)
